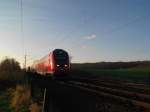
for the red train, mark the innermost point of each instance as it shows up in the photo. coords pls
(56, 63)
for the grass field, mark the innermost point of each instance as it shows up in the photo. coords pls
(131, 75)
(10, 96)
(15, 93)
(15, 99)
(4, 102)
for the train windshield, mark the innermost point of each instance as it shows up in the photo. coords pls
(61, 57)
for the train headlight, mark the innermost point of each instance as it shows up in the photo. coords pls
(57, 65)
(66, 65)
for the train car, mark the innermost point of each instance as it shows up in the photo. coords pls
(56, 63)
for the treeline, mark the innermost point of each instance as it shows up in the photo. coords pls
(10, 65)
(111, 65)
(10, 70)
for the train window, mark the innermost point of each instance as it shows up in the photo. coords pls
(61, 57)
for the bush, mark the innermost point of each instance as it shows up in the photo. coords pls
(21, 98)
(13, 76)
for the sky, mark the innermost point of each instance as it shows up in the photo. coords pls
(90, 30)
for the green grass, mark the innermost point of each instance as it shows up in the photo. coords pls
(133, 75)
(8, 81)
(6, 99)
(4, 103)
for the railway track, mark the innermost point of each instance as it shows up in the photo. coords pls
(127, 93)
(140, 88)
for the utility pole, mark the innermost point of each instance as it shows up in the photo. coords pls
(25, 61)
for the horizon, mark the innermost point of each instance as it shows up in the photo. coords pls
(6, 57)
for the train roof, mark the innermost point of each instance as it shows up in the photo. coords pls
(59, 50)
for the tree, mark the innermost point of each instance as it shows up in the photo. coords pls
(10, 65)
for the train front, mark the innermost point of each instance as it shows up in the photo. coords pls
(62, 63)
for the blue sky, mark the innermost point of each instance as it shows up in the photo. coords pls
(90, 30)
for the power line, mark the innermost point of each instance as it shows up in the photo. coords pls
(22, 32)
(118, 28)
(21, 25)
(62, 40)
(67, 37)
